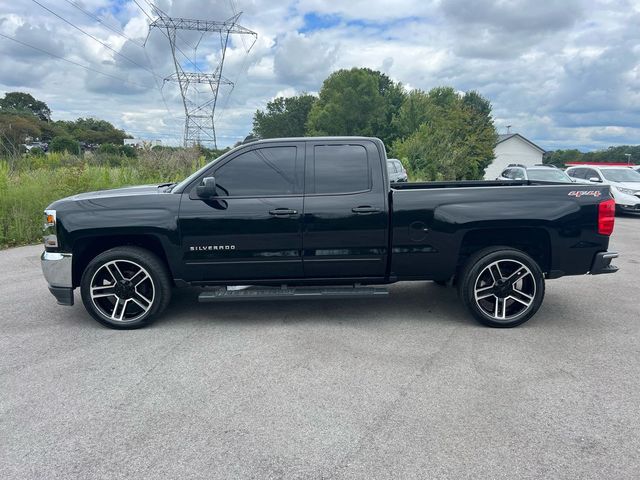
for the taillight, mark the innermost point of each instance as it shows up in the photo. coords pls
(606, 217)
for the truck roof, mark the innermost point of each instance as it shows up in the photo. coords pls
(314, 139)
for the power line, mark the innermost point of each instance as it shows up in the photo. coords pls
(143, 10)
(123, 35)
(99, 20)
(167, 35)
(91, 69)
(92, 37)
(154, 8)
(199, 113)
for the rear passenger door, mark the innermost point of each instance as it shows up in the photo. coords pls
(345, 231)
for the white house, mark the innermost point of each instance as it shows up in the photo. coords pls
(513, 148)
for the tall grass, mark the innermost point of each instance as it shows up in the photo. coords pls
(29, 184)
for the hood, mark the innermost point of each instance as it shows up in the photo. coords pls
(630, 185)
(120, 192)
(109, 196)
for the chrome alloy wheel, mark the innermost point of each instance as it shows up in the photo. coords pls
(122, 291)
(505, 289)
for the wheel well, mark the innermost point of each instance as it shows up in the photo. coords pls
(86, 249)
(533, 241)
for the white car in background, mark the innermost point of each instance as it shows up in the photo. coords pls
(624, 182)
(535, 173)
(397, 172)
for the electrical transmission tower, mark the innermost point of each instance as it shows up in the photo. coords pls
(199, 106)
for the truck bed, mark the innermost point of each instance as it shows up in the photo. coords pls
(433, 223)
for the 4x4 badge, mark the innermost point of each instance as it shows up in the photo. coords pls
(585, 193)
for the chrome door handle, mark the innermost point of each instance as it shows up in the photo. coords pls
(365, 209)
(282, 212)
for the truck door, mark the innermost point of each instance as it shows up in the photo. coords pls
(345, 210)
(252, 228)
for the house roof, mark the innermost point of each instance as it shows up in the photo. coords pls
(506, 136)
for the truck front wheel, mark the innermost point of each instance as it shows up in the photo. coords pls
(502, 287)
(125, 287)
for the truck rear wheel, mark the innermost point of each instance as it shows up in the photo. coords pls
(125, 287)
(502, 287)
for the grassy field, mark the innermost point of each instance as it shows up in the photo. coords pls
(29, 184)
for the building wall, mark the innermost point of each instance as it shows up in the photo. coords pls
(512, 150)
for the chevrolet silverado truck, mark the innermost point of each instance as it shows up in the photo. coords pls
(318, 217)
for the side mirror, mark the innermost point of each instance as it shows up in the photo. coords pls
(595, 180)
(207, 188)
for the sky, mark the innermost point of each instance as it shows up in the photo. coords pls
(564, 74)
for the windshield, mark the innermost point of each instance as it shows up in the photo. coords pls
(620, 175)
(548, 175)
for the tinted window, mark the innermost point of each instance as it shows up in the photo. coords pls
(506, 173)
(518, 174)
(340, 168)
(589, 173)
(577, 172)
(265, 171)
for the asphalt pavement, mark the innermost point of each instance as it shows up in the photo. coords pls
(402, 387)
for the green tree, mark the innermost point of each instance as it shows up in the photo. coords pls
(480, 133)
(412, 113)
(20, 102)
(617, 154)
(560, 158)
(15, 130)
(350, 103)
(64, 144)
(394, 96)
(108, 149)
(455, 139)
(92, 130)
(283, 117)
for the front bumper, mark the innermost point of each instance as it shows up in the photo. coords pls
(57, 270)
(626, 202)
(602, 263)
(629, 208)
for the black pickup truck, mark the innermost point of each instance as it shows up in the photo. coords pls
(317, 217)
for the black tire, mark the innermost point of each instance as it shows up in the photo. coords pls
(497, 305)
(137, 305)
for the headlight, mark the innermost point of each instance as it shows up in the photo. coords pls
(626, 191)
(50, 234)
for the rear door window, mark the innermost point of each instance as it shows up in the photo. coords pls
(340, 169)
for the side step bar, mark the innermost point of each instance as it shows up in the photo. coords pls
(227, 294)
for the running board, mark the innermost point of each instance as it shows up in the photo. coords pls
(227, 294)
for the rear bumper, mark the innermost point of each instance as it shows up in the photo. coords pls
(602, 263)
(57, 270)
